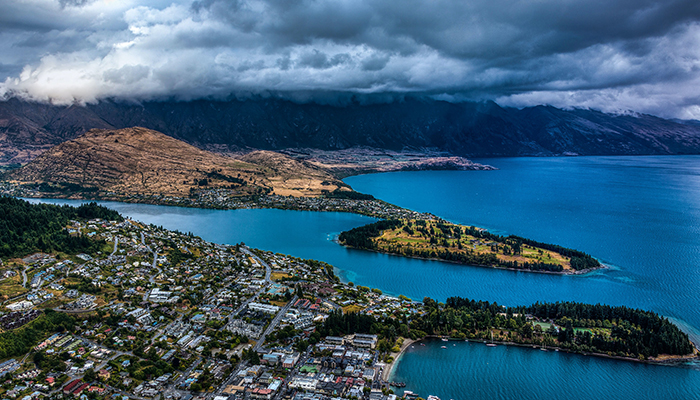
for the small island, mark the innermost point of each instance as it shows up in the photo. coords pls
(435, 238)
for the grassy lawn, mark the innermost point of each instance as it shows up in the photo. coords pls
(543, 325)
(352, 308)
(279, 275)
(12, 287)
(108, 247)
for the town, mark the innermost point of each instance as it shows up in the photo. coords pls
(229, 200)
(164, 315)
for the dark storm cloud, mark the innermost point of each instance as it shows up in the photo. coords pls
(612, 55)
(74, 3)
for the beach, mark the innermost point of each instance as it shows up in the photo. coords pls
(387, 370)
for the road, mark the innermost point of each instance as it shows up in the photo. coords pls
(152, 278)
(153, 266)
(186, 373)
(273, 323)
(280, 314)
(268, 274)
(270, 327)
(102, 365)
(116, 240)
(24, 276)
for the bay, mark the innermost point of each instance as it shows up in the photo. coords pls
(466, 370)
(639, 215)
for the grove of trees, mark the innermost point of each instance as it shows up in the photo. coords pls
(26, 228)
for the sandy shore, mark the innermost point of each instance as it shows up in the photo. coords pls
(387, 370)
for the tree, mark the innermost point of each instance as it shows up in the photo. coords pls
(90, 375)
(302, 345)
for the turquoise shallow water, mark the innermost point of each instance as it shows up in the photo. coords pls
(640, 215)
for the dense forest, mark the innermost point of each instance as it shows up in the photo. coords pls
(26, 228)
(361, 237)
(617, 331)
(446, 242)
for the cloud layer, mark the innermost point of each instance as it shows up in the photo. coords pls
(641, 55)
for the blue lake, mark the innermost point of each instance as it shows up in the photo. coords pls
(467, 370)
(640, 215)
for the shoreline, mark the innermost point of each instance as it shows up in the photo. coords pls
(661, 360)
(386, 373)
(563, 273)
(367, 208)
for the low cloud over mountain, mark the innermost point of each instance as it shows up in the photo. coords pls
(641, 55)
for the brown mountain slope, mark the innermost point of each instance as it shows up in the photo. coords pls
(292, 177)
(142, 161)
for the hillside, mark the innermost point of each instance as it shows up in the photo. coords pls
(145, 162)
(26, 228)
(463, 129)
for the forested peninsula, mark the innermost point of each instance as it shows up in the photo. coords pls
(438, 239)
(620, 332)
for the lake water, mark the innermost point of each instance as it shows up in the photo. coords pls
(467, 370)
(640, 215)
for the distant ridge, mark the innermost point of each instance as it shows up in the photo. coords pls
(139, 161)
(464, 129)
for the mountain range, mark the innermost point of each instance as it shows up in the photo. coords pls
(468, 129)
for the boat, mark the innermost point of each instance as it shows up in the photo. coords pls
(422, 344)
(397, 384)
(431, 397)
(443, 347)
(444, 339)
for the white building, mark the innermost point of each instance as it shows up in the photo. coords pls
(266, 308)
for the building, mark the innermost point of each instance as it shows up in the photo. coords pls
(159, 296)
(303, 383)
(240, 327)
(335, 340)
(266, 308)
(365, 341)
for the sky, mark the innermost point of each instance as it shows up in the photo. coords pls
(611, 55)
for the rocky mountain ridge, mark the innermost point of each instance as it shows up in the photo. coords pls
(463, 129)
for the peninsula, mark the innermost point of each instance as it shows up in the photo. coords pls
(442, 240)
